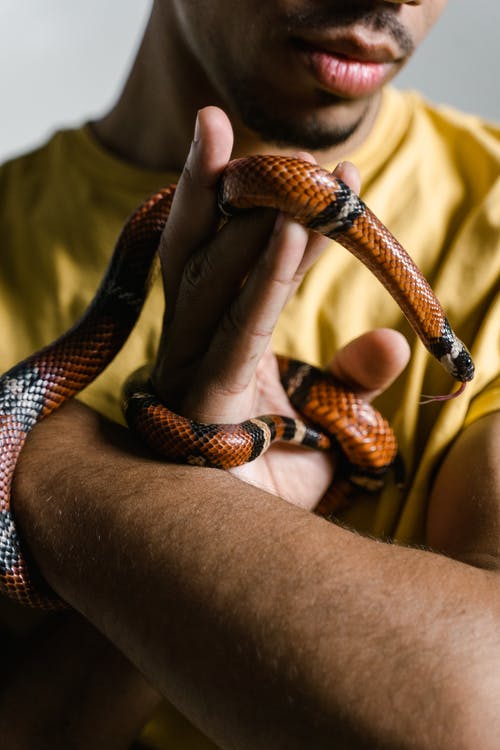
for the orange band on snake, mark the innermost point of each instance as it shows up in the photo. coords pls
(36, 387)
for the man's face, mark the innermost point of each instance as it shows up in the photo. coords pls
(302, 73)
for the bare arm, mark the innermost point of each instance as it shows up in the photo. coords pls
(266, 625)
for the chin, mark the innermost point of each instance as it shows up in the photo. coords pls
(325, 122)
(314, 131)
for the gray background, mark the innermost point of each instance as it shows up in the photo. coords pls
(63, 61)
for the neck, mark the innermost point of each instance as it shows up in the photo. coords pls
(152, 122)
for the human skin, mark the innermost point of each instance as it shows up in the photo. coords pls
(196, 53)
(264, 624)
(324, 673)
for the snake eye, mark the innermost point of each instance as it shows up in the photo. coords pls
(464, 365)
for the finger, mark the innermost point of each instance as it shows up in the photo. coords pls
(348, 173)
(214, 275)
(245, 330)
(194, 214)
(371, 362)
(211, 281)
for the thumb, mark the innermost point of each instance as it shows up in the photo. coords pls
(371, 362)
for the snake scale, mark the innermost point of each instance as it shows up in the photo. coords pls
(37, 386)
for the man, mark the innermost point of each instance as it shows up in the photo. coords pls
(262, 623)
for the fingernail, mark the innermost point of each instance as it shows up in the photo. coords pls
(196, 136)
(195, 141)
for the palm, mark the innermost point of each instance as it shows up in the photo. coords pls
(296, 474)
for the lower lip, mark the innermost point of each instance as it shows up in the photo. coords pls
(344, 76)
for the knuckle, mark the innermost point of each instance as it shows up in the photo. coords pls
(233, 321)
(236, 323)
(198, 270)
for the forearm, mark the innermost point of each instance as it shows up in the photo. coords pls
(264, 624)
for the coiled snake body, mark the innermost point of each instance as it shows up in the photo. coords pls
(34, 388)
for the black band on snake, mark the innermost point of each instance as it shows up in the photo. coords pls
(36, 387)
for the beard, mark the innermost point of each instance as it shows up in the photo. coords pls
(315, 131)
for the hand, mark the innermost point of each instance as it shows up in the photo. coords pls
(224, 292)
(215, 330)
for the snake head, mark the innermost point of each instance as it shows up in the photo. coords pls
(453, 354)
(460, 365)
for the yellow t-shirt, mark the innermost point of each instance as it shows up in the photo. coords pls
(430, 174)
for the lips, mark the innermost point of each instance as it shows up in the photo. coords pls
(346, 67)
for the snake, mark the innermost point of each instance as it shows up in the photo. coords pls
(329, 413)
